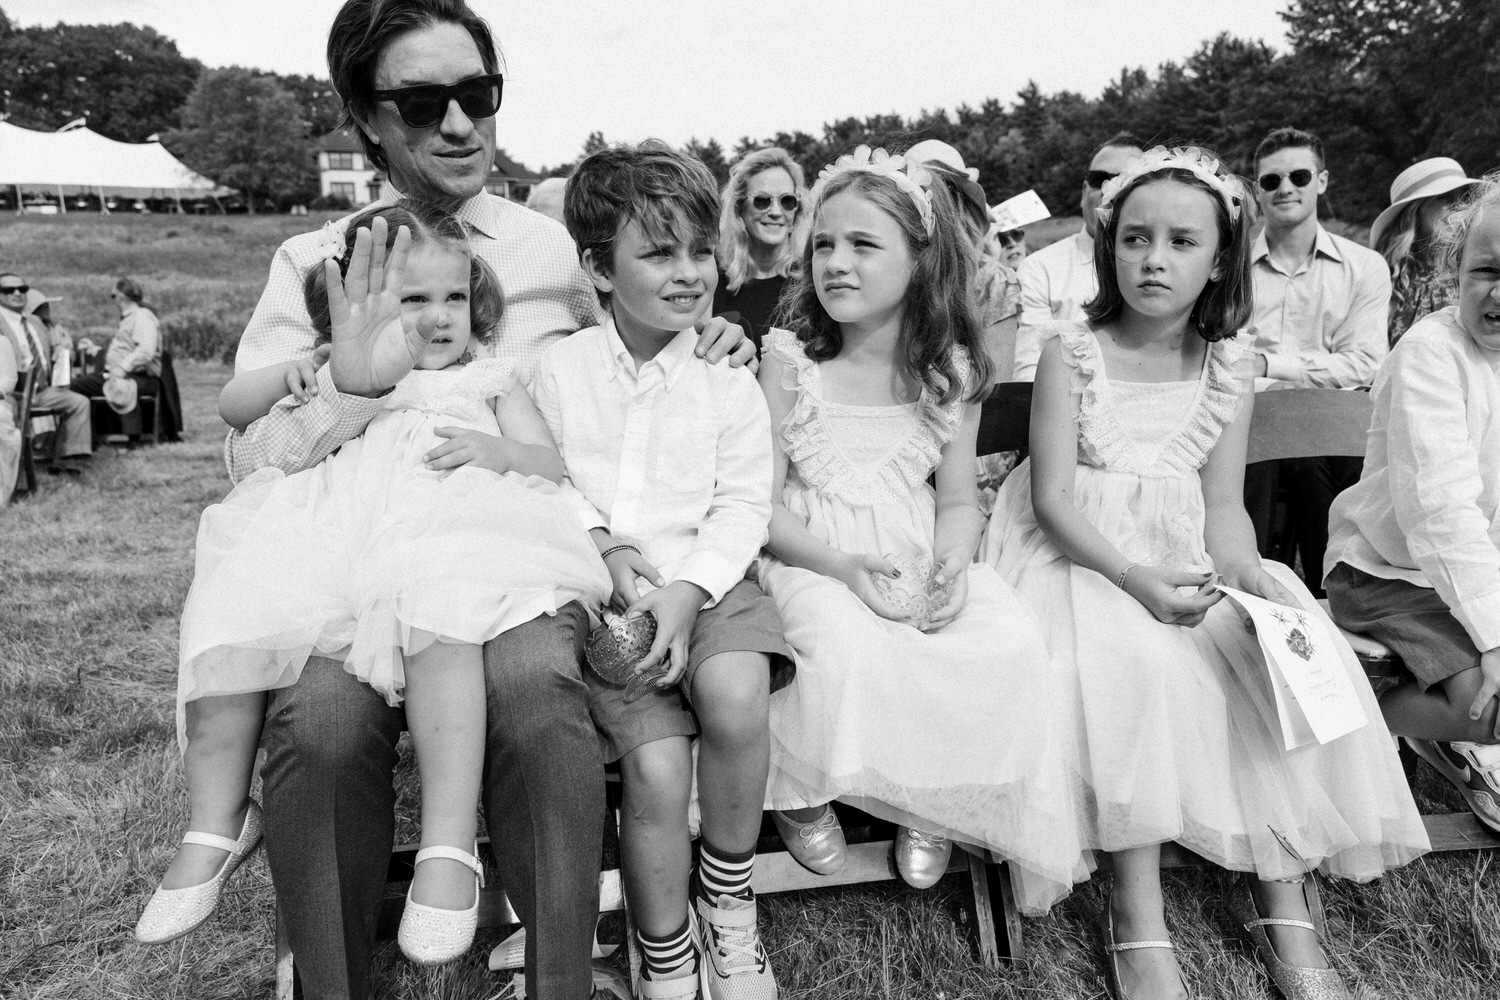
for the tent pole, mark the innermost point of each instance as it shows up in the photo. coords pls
(103, 208)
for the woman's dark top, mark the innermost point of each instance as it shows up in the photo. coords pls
(752, 306)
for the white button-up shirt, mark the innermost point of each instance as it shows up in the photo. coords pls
(1427, 508)
(673, 457)
(1056, 282)
(1323, 325)
(547, 296)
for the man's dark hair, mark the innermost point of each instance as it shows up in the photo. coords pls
(361, 31)
(1125, 139)
(651, 183)
(1289, 138)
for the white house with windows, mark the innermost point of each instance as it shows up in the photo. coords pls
(345, 172)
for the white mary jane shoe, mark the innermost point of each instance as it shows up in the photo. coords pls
(171, 913)
(431, 935)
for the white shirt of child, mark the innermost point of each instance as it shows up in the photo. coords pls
(1056, 282)
(674, 458)
(1427, 509)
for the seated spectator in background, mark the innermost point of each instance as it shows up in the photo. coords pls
(35, 345)
(1319, 320)
(1414, 557)
(10, 434)
(1009, 247)
(1057, 280)
(762, 226)
(132, 362)
(547, 197)
(1403, 235)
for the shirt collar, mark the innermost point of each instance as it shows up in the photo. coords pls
(477, 214)
(672, 359)
(1085, 247)
(1322, 244)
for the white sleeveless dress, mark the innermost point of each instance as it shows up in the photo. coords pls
(947, 731)
(370, 556)
(1170, 745)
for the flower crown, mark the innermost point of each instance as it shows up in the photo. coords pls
(331, 243)
(1198, 162)
(912, 178)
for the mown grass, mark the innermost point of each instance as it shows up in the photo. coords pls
(94, 571)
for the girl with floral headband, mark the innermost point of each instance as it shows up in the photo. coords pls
(1117, 530)
(922, 692)
(435, 530)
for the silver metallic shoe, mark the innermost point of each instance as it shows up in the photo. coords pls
(922, 858)
(171, 913)
(817, 845)
(1293, 982)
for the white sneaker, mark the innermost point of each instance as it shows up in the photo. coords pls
(732, 963)
(1473, 768)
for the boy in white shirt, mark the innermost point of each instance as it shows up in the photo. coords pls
(673, 457)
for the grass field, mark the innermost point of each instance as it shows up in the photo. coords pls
(91, 803)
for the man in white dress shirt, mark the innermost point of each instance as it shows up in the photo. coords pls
(1319, 321)
(33, 346)
(1057, 280)
(422, 81)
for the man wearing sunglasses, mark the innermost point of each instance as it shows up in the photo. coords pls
(1319, 320)
(1057, 280)
(35, 346)
(422, 81)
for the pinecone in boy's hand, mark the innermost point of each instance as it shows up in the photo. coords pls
(618, 644)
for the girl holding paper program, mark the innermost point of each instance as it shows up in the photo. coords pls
(1114, 529)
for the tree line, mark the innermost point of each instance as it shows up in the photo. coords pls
(1383, 82)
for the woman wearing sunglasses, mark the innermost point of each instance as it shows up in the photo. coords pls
(761, 231)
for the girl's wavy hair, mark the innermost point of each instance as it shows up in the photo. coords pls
(1225, 304)
(427, 225)
(1453, 233)
(734, 242)
(937, 311)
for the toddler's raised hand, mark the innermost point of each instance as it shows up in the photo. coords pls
(302, 376)
(1156, 588)
(858, 574)
(372, 348)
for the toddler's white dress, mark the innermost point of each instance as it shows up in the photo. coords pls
(946, 731)
(370, 555)
(1170, 744)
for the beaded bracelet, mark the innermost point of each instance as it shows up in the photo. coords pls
(1123, 574)
(618, 548)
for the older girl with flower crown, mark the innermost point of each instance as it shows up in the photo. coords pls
(1114, 531)
(435, 530)
(923, 691)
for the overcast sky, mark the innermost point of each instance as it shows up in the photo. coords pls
(680, 68)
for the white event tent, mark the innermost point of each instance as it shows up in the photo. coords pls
(78, 159)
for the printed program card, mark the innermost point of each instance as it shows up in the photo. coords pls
(1315, 699)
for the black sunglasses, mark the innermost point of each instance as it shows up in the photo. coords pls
(1096, 178)
(14, 289)
(789, 202)
(426, 104)
(1299, 178)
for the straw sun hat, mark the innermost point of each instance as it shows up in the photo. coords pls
(1434, 176)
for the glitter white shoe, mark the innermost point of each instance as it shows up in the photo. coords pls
(922, 858)
(171, 913)
(431, 935)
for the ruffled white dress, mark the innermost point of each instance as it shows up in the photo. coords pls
(1170, 744)
(947, 731)
(370, 556)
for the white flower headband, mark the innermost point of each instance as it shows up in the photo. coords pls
(912, 178)
(1190, 158)
(331, 243)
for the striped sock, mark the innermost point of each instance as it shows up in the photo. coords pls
(721, 873)
(670, 956)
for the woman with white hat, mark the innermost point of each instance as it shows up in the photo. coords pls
(1402, 234)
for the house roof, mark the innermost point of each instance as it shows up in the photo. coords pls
(340, 141)
(345, 141)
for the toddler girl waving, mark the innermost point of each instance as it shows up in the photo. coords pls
(1113, 530)
(432, 532)
(923, 689)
